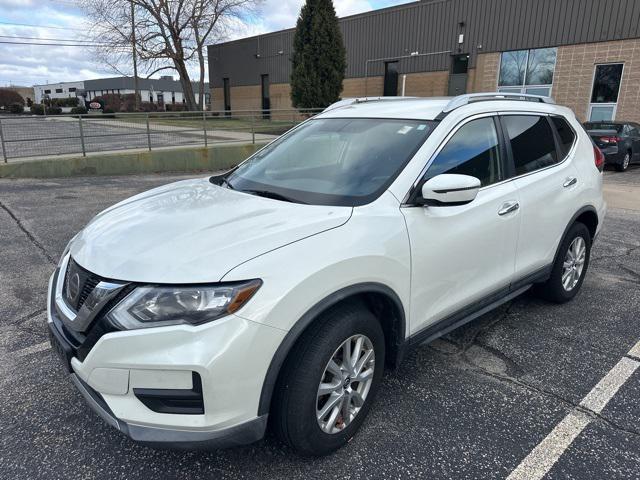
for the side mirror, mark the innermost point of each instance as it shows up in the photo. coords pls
(450, 189)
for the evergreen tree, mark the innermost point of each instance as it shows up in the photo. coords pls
(319, 56)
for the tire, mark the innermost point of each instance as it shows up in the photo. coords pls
(622, 166)
(553, 289)
(296, 402)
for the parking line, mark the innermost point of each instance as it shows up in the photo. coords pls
(548, 451)
(38, 347)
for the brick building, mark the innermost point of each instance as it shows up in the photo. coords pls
(583, 53)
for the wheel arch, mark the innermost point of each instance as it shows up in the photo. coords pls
(587, 215)
(384, 303)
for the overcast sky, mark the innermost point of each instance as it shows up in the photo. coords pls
(31, 64)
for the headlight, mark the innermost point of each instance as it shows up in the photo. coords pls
(155, 306)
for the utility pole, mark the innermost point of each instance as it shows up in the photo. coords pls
(136, 90)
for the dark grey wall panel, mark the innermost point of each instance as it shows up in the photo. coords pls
(432, 26)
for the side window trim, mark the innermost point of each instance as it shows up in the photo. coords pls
(557, 137)
(506, 146)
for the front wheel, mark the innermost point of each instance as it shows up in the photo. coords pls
(570, 266)
(329, 381)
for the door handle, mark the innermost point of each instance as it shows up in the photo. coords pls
(508, 208)
(570, 181)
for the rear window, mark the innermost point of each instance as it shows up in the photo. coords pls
(603, 126)
(565, 134)
(532, 142)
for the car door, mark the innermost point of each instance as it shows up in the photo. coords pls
(463, 254)
(548, 185)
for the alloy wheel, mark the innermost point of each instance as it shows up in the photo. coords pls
(574, 263)
(625, 162)
(345, 384)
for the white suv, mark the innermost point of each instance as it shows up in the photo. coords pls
(189, 314)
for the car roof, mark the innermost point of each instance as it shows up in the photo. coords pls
(435, 108)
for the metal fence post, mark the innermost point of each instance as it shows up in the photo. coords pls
(253, 129)
(148, 133)
(84, 152)
(204, 126)
(4, 146)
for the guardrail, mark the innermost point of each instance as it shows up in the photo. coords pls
(40, 136)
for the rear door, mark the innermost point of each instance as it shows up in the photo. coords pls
(541, 148)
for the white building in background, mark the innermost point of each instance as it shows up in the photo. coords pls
(164, 90)
(57, 90)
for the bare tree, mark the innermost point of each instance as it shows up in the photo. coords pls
(165, 34)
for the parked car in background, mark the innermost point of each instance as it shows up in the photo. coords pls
(619, 141)
(191, 314)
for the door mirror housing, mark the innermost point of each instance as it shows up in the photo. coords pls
(449, 189)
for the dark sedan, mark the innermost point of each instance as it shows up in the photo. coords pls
(619, 141)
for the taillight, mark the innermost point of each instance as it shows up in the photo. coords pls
(599, 158)
(610, 139)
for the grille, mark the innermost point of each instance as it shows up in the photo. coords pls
(87, 282)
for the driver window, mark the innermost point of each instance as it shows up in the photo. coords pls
(473, 150)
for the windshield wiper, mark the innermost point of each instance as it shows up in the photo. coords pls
(227, 183)
(270, 194)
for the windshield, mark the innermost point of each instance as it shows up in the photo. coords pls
(336, 161)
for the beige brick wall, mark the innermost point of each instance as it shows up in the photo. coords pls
(359, 87)
(427, 84)
(575, 67)
(573, 76)
(485, 74)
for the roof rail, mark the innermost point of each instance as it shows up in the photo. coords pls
(350, 101)
(462, 100)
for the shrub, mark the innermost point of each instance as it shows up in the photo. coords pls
(9, 97)
(177, 107)
(128, 103)
(16, 108)
(54, 110)
(79, 110)
(148, 107)
(37, 109)
(64, 102)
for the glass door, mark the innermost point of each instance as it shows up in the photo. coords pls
(604, 95)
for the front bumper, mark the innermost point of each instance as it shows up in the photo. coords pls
(242, 434)
(230, 356)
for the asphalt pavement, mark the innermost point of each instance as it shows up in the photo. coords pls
(479, 403)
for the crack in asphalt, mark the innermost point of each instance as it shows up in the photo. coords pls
(628, 252)
(26, 317)
(594, 415)
(29, 235)
(631, 272)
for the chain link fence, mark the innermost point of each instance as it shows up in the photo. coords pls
(41, 136)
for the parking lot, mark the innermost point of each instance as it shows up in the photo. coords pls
(474, 404)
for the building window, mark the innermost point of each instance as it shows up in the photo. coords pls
(173, 98)
(47, 92)
(226, 90)
(72, 89)
(604, 95)
(58, 90)
(150, 97)
(527, 71)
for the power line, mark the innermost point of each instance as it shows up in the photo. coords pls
(41, 26)
(17, 37)
(52, 44)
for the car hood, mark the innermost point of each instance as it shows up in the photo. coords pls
(193, 232)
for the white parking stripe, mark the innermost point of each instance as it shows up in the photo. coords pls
(546, 453)
(635, 351)
(39, 347)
